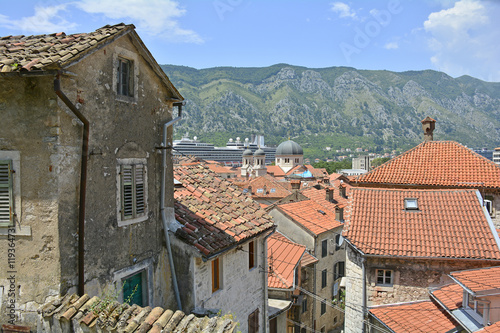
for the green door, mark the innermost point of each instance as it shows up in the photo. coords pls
(128, 289)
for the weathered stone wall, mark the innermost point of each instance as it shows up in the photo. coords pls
(412, 278)
(292, 230)
(354, 292)
(49, 139)
(333, 256)
(31, 128)
(242, 290)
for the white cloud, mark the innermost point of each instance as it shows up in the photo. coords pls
(45, 20)
(155, 17)
(343, 10)
(391, 46)
(464, 39)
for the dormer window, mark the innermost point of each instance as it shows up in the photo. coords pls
(411, 204)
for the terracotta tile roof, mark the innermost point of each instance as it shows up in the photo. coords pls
(219, 168)
(450, 296)
(276, 170)
(283, 256)
(268, 187)
(436, 163)
(42, 52)
(477, 280)
(123, 317)
(214, 213)
(425, 316)
(311, 215)
(308, 259)
(319, 195)
(317, 172)
(494, 328)
(447, 224)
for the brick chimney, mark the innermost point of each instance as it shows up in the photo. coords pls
(329, 195)
(295, 184)
(428, 126)
(339, 213)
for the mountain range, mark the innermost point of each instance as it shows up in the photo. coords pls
(337, 107)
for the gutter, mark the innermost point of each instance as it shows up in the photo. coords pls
(83, 183)
(266, 293)
(171, 213)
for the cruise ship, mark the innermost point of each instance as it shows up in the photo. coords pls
(230, 155)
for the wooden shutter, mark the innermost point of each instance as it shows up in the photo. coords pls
(215, 275)
(253, 322)
(140, 202)
(127, 181)
(6, 197)
(133, 190)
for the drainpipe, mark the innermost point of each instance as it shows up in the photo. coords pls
(363, 272)
(266, 292)
(170, 210)
(83, 183)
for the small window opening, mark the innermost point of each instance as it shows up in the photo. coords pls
(411, 204)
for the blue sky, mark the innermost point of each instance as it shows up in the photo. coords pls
(456, 37)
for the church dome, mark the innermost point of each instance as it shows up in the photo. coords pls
(259, 152)
(247, 152)
(289, 148)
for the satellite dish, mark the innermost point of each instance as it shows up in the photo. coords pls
(340, 240)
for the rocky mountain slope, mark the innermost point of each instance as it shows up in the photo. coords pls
(335, 107)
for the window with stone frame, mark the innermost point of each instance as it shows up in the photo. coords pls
(323, 307)
(384, 277)
(252, 255)
(324, 248)
(324, 278)
(132, 188)
(125, 78)
(339, 269)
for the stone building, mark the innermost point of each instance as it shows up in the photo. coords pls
(284, 282)
(403, 241)
(220, 249)
(440, 165)
(309, 223)
(80, 172)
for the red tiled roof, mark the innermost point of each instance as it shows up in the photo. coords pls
(448, 223)
(450, 296)
(308, 259)
(283, 256)
(437, 163)
(214, 213)
(276, 170)
(273, 188)
(311, 215)
(219, 168)
(319, 196)
(317, 172)
(425, 316)
(494, 328)
(480, 279)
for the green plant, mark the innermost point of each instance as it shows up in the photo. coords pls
(110, 296)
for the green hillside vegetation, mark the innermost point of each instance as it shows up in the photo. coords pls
(336, 107)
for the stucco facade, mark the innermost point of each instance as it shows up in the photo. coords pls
(242, 290)
(46, 137)
(319, 279)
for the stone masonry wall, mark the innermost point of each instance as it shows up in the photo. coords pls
(354, 292)
(242, 290)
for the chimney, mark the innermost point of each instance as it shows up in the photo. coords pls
(250, 190)
(342, 191)
(428, 126)
(339, 213)
(295, 184)
(329, 195)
